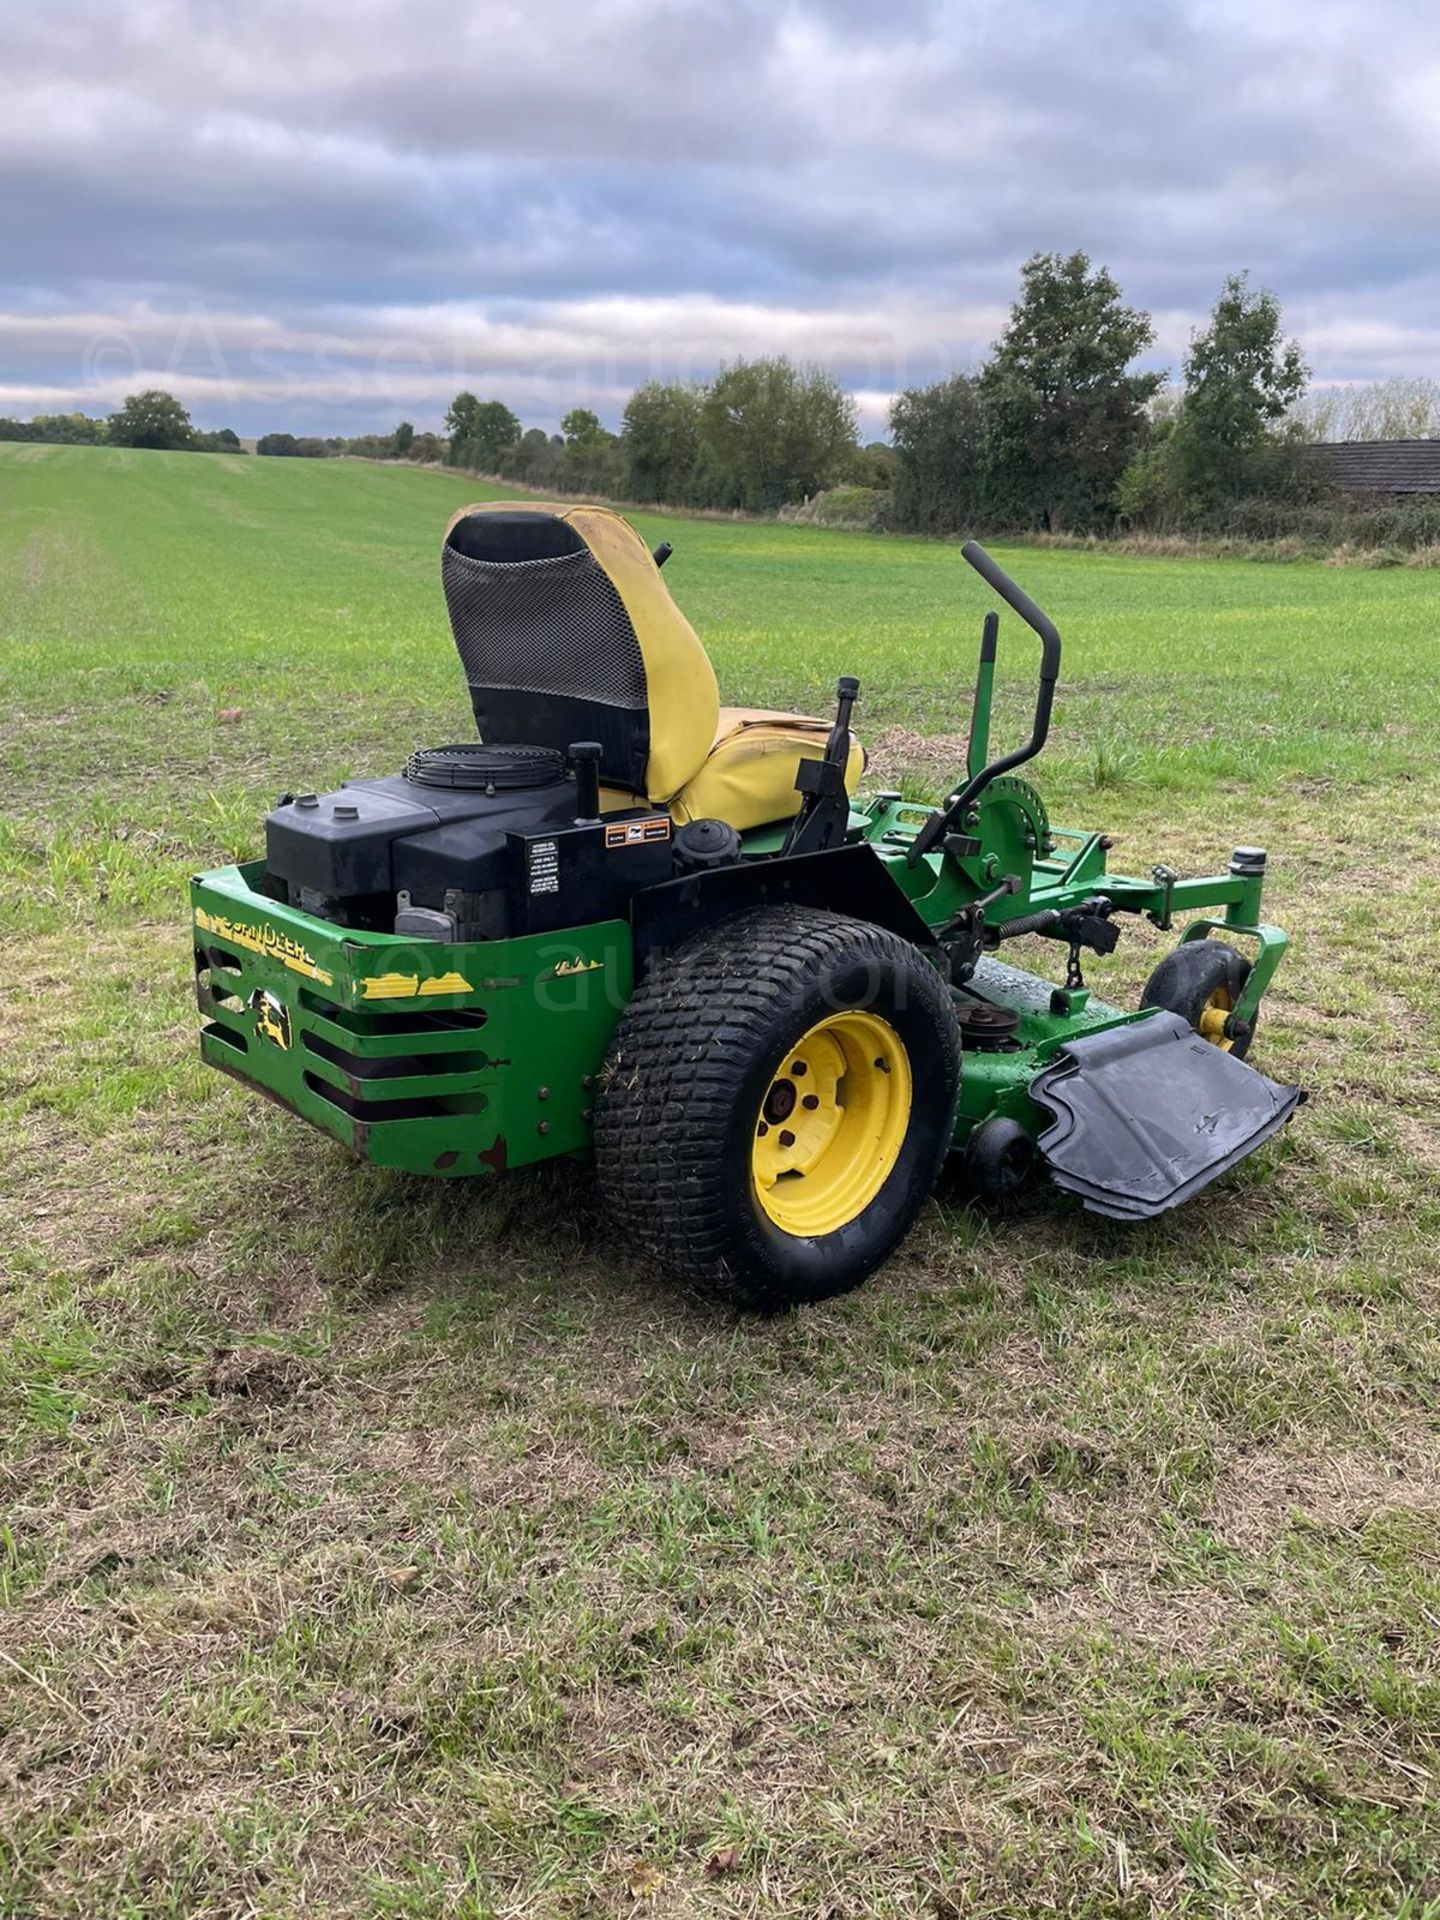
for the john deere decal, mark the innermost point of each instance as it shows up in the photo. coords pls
(272, 1019)
(264, 941)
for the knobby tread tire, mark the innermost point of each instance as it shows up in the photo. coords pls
(696, 1046)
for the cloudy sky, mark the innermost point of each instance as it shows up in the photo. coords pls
(322, 217)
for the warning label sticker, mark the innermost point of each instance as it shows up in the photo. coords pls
(544, 866)
(635, 833)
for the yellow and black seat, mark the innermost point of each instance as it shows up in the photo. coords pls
(567, 632)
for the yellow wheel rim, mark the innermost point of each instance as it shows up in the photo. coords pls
(831, 1124)
(1213, 1015)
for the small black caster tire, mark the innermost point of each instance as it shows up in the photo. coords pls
(1201, 981)
(999, 1159)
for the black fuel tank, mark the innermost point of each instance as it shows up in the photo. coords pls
(441, 824)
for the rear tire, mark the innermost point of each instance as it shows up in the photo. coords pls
(778, 1100)
(1201, 981)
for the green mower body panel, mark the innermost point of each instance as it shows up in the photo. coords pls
(451, 1060)
(475, 1057)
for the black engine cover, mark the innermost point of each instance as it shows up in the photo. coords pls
(497, 861)
(378, 836)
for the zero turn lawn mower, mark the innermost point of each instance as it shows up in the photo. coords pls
(631, 924)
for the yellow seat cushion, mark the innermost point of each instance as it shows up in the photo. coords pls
(680, 681)
(748, 777)
(641, 683)
(545, 666)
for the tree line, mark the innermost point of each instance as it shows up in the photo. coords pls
(761, 434)
(403, 444)
(153, 419)
(1058, 431)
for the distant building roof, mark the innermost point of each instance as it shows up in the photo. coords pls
(1380, 466)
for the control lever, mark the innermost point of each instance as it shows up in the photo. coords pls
(946, 819)
(824, 815)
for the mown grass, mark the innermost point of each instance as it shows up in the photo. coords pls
(369, 1546)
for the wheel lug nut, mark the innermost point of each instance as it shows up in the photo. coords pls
(787, 1139)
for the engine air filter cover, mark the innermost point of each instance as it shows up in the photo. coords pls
(474, 767)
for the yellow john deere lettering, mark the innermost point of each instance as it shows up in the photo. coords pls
(265, 941)
(446, 983)
(405, 986)
(563, 967)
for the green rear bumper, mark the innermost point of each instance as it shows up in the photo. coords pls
(434, 1058)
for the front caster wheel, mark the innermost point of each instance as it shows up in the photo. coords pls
(778, 1100)
(1201, 981)
(999, 1158)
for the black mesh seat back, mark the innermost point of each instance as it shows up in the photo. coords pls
(548, 648)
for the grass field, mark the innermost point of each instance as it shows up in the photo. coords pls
(375, 1547)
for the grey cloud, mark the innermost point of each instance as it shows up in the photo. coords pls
(298, 164)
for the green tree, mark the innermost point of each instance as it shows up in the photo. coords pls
(71, 429)
(459, 417)
(937, 439)
(536, 460)
(1063, 413)
(404, 439)
(151, 419)
(1149, 494)
(661, 441)
(873, 466)
(593, 461)
(771, 432)
(479, 431)
(1242, 378)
